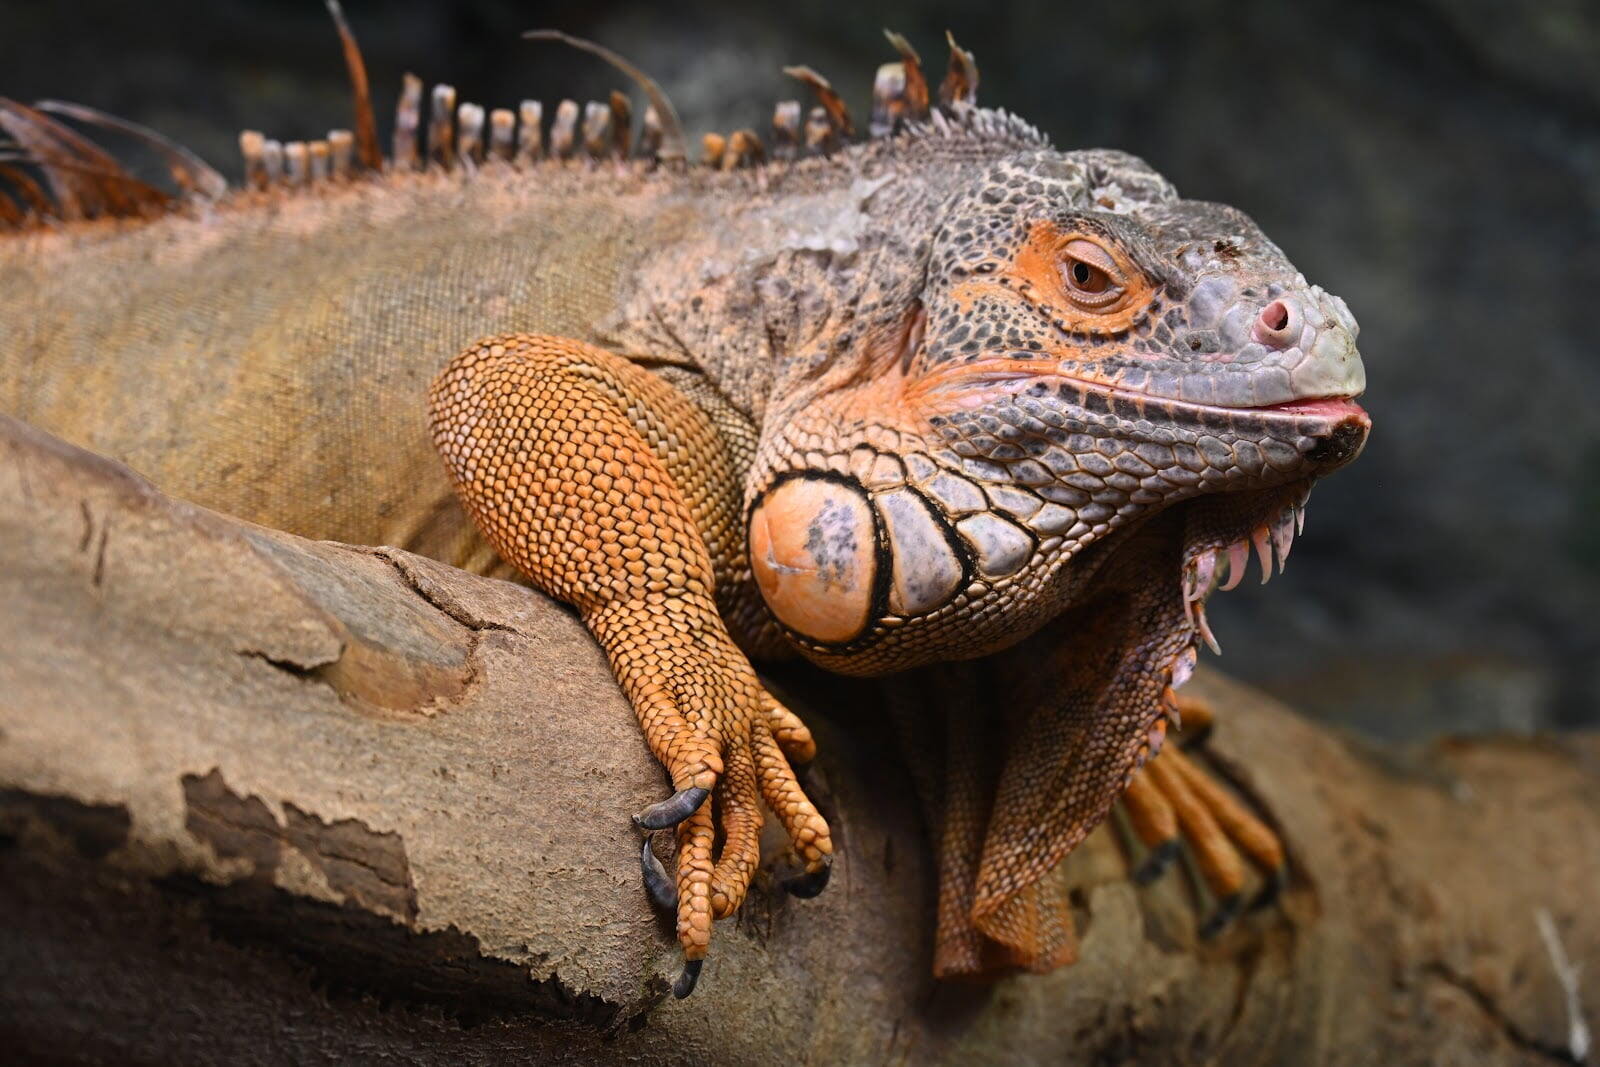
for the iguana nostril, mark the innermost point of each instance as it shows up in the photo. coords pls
(1278, 325)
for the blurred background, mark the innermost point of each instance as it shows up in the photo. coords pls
(1435, 162)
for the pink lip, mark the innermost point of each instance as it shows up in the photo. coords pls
(1330, 407)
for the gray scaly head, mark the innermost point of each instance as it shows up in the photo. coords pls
(1082, 351)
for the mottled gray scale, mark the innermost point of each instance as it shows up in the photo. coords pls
(1180, 477)
(1053, 519)
(926, 570)
(1248, 457)
(1027, 472)
(985, 470)
(1082, 479)
(1216, 453)
(1155, 450)
(1000, 547)
(831, 542)
(957, 495)
(1013, 501)
(1122, 482)
(920, 467)
(1069, 495)
(1096, 464)
(1130, 463)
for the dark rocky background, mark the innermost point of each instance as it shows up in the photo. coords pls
(1436, 162)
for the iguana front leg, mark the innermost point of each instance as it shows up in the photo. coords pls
(610, 490)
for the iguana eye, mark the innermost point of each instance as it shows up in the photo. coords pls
(1092, 277)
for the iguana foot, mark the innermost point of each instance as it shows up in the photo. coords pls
(1173, 801)
(608, 488)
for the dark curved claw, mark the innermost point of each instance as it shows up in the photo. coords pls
(805, 886)
(1228, 909)
(657, 882)
(673, 810)
(1276, 883)
(1156, 863)
(685, 983)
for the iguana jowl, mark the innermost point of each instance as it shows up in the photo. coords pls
(946, 395)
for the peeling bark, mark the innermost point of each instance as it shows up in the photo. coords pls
(264, 799)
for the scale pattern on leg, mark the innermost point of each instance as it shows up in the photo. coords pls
(604, 484)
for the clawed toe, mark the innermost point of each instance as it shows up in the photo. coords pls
(657, 882)
(673, 810)
(805, 886)
(1271, 890)
(1156, 863)
(719, 838)
(686, 981)
(1229, 908)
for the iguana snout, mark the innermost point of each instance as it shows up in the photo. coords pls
(1261, 341)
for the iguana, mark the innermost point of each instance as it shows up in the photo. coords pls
(944, 395)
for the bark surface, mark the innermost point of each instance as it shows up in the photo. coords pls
(264, 799)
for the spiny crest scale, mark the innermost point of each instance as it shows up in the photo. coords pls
(49, 171)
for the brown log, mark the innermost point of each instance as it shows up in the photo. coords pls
(271, 800)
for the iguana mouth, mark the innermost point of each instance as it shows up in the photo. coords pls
(977, 382)
(1335, 409)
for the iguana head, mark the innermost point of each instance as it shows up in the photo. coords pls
(1090, 360)
(1091, 264)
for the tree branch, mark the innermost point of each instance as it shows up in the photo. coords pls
(268, 799)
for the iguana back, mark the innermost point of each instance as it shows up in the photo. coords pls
(269, 357)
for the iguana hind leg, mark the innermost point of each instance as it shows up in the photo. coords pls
(1174, 800)
(610, 490)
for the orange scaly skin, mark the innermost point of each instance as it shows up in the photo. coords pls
(595, 479)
